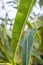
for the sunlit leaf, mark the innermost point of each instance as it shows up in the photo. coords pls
(24, 10)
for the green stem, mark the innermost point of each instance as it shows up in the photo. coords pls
(29, 24)
(41, 45)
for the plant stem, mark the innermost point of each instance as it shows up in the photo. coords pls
(41, 45)
(30, 25)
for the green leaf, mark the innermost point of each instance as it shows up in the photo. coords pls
(8, 33)
(24, 10)
(3, 58)
(41, 3)
(3, 61)
(37, 56)
(35, 62)
(5, 35)
(27, 46)
(5, 44)
(4, 53)
(34, 53)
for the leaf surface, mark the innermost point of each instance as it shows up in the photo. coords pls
(24, 10)
(27, 46)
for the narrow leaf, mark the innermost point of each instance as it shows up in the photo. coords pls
(5, 53)
(27, 46)
(37, 56)
(24, 10)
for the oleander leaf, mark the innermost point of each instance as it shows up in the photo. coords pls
(3, 58)
(34, 53)
(4, 54)
(24, 10)
(27, 46)
(37, 56)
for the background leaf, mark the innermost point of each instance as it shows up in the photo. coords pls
(27, 46)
